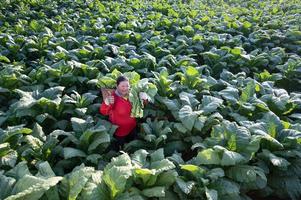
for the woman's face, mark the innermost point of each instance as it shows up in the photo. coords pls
(123, 88)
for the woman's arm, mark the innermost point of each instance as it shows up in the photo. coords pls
(107, 105)
(105, 109)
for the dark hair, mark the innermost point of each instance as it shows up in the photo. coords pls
(121, 78)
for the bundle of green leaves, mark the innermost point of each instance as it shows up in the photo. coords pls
(137, 104)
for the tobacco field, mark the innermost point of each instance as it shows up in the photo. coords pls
(225, 122)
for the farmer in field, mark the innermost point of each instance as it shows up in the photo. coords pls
(118, 107)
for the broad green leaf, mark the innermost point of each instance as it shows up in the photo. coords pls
(108, 126)
(176, 158)
(99, 140)
(74, 182)
(275, 160)
(132, 196)
(187, 117)
(116, 174)
(208, 157)
(12, 132)
(236, 51)
(210, 104)
(30, 187)
(247, 24)
(188, 99)
(286, 186)
(4, 59)
(253, 145)
(191, 168)
(4, 149)
(162, 165)
(70, 135)
(72, 152)
(200, 123)
(94, 158)
(94, 191)
(181, 128)
(34, 25)
(144, 174)
(245, 173)
(33, 142)
(215, 174)
(147, 128)
(10, 159)
(134, 77)
(272, 124)
(139, 157)
(211, 194)
(248, 92)
(79, 125)
(234, 137)
(52, 93)
(85, 138)
(158, 191)
(185, 187)
(45, 170)
(225, 187)
(231, 158)
(53, 193)
(158, 155)
(167, 178)
(37, 132)
(6, 185)
(191, 71)
(171, 104)
(230, 94)
(19, 171)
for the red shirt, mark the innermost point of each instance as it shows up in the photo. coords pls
(120, 115)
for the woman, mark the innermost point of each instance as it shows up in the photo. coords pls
(118, 107)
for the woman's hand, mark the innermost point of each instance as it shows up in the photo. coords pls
(109, 100)
(143, 96)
